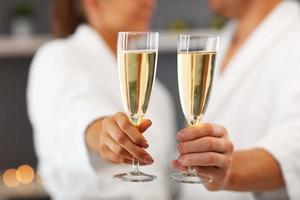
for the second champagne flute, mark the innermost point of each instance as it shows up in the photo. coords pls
(196, 62)
(137, 58)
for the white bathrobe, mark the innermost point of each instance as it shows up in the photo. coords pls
(257, 99)
(73, 82)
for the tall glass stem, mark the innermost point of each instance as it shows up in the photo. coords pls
(193, 122)
(190, 170)
(135, 163)
(135, 166)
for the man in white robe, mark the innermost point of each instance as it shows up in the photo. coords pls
(256, 96)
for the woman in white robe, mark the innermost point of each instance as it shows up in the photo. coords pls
(73, 85)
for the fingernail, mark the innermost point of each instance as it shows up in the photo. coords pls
(179, 147)
(148, 159)
(180, 161)
(180, 135)
(145, 144)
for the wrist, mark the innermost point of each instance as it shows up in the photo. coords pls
(92, 135)
(230, 179)
(237, 172)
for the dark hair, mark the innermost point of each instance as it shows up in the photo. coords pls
(67, 15)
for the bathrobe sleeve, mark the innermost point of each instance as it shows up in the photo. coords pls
(283, 137)
(62, 102)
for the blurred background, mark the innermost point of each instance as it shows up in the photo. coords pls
(24, 27)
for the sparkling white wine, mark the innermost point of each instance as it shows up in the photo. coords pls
(137, 74)
(195, 75)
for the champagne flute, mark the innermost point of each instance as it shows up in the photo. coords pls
(137, 59)
(196, 62)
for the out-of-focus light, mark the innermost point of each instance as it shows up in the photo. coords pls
(9, 178)
(25, 174)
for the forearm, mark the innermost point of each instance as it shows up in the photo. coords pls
(254, 170)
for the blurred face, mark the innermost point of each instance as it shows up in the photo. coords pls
(229, 8)
(121, 15)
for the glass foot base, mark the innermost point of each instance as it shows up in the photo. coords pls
(134, 177)
(191, 178)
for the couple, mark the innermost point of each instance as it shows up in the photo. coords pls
(82, 138)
